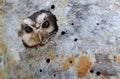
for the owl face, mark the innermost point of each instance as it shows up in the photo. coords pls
(38, 28)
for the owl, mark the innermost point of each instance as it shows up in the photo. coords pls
(38, 28)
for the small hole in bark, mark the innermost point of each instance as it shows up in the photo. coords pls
(52, 6)
(98, 73)
(40, 70)
(62, 33)
(75, 39)
(72, 23)
(91, 71)
(48, 60)
(97, 23)
(54, 75)
(70, 61)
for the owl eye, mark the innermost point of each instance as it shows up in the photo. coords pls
(28, 29)
(46, 24)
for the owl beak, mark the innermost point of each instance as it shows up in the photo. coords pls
(40, 37)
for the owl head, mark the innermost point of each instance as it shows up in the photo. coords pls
(38, 28)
